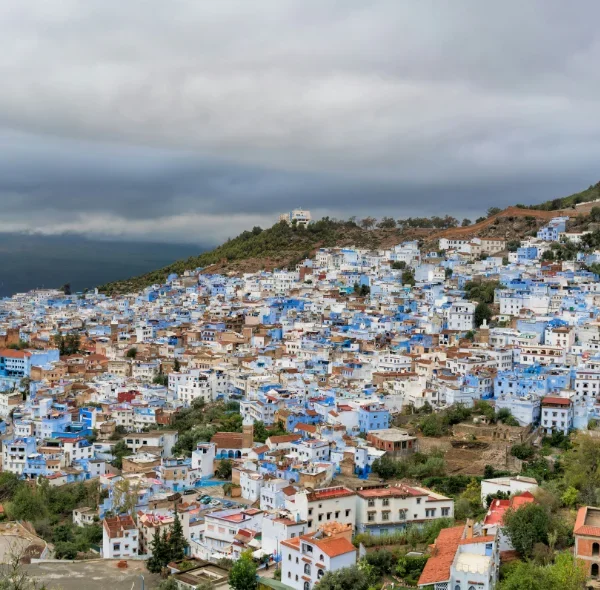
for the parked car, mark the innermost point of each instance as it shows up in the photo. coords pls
(214, 503)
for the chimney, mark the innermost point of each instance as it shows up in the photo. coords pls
(469, 529)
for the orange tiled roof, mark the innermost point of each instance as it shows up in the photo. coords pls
(581, 528)
(437, 568)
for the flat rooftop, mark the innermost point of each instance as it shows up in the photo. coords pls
(592, 517)
(391, 434)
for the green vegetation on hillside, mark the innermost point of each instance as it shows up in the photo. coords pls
(285, 246)
(282, 242)
(590, 194)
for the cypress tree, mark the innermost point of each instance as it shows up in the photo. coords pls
(157, 560)
(177, 541)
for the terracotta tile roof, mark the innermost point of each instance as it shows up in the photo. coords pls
(292, 543)
(333, 546)
(581, 528)
(284, 438)
(482, 539)
(437, 568)
(329, 494)
(559, 401)
(14, 354)
(306, 427)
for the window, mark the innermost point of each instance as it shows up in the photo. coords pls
(321, 558)
(348, 512)
(594, 570)
(418, 500)
(595, 549)
(289, 574)
(306, 585)
(371, 516)
(386, 501)
(320, 574)
(307, 569)
(289, 558)
(385, 515)
(371, 503)
(445, 511)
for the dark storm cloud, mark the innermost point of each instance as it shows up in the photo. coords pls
(194, 120)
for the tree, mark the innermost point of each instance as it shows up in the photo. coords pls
(177, 541)
(493, 211)
(408, 277)
(466, 222)
(513, 245)
(27, 504)
(581, 464)
(344, 578)
(176, 366)
(119, 451)
(66, 288)
(387, 223)
(527, 526)
(260, 432)
(398, 265)
(482, 312)
(223, 471)
(522, 451)
(368, 222)
(243, 573)
(160, 552)
(161, 379)
(132, 353)
(566, 573)
(125, 495)
(13, 576)
(385, 467)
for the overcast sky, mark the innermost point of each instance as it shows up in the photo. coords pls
(191, 120)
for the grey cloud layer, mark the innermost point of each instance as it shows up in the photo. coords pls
(185, 118)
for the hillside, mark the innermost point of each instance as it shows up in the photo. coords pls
(280, 246)
(590, 194)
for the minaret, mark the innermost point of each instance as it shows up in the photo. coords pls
(247, 433)
(114, 331)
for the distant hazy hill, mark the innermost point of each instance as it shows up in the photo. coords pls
(31, 261)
